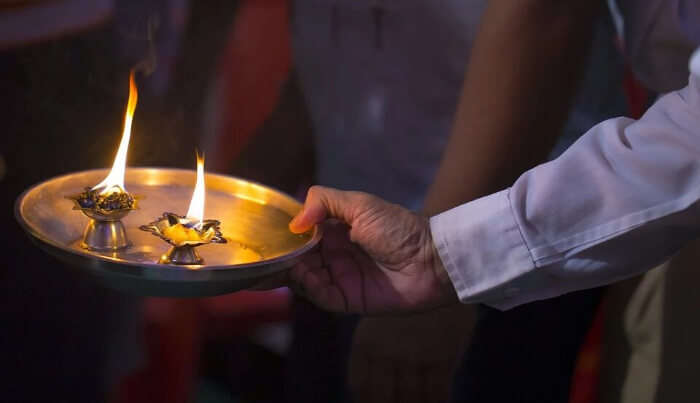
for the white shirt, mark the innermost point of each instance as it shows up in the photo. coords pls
(382, 78)
(621, 200)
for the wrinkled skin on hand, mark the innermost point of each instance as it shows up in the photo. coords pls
(410, 358)
(375, 257)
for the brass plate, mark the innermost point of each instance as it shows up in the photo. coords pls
(253, 217)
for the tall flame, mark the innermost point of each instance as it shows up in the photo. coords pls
(114, 182)
(196, 209)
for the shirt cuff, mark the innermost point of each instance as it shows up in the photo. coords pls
(482, 249)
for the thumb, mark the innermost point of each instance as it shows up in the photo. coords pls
(321, 203)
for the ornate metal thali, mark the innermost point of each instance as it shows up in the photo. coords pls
(254, 222)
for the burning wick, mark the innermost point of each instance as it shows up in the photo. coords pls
(108, 202)
(196, 209)
(114, 182)
(111, 194)
(190, 228)
(186, 233)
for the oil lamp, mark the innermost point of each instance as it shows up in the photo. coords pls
(185, 233)
(108, 202)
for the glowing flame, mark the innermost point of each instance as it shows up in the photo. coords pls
(196, 210)
(114, 182)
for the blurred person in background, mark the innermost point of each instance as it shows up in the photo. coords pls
(382, 84)
(481, 382)
(394, 114)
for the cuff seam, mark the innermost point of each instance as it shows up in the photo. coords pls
(520, 230)
(444, 254)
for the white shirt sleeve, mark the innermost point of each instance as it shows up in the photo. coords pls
(621, 200)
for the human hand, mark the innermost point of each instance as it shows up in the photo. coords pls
(379, 258)
(410, 358)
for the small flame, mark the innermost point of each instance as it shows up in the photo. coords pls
(196, 210)
(114, 182)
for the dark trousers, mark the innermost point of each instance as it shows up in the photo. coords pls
(526, 354)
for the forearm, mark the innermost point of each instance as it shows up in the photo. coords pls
(522, 73)
(622, 199)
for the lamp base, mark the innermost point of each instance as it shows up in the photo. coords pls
(181, 255)
(105, 236)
